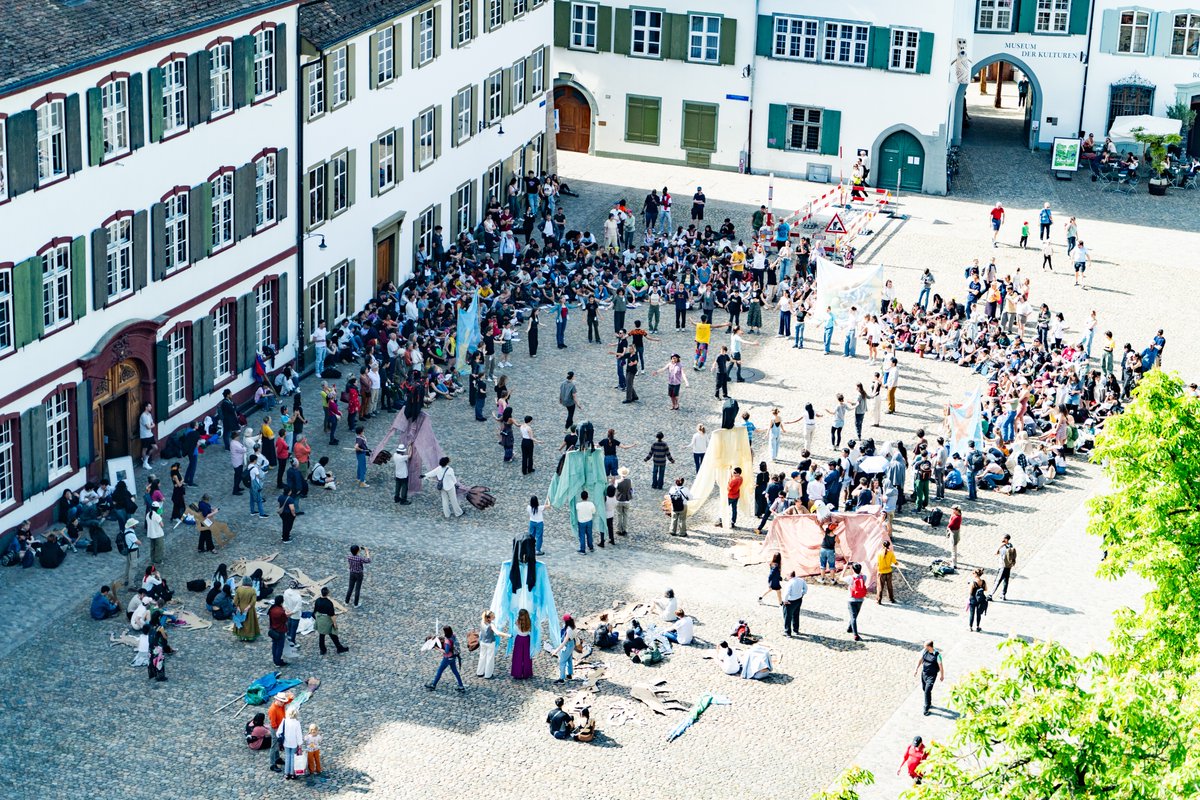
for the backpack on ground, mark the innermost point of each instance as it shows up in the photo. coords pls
(934, 518)
(940, 568)
(858, 587)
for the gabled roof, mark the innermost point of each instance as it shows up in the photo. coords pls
(327, 22)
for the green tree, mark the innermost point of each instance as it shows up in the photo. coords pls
(846, 786)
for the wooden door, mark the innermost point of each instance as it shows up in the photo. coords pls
(384, 261)
(116, 406)
(116, 428)
(574, 121)
(901, 155)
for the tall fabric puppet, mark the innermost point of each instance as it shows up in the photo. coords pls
(728, 447)
(524, 583)
(579, 469)
(467, 335)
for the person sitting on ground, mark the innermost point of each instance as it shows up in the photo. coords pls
(666, 606)
(321, 476)
(156, 586)
(222, 605)
(730, 663)
(138, 610)
(634, 642)
(560, 722)
(682, 632)
(105, 604)
(51, 554)
(258, 735)
(604, 637)
(586, 731)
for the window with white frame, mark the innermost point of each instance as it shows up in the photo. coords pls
(58, 433)
(339, 177)
(905, 44)
(8, 465)
(995, 15)
(424, 231)
(463, 33)
(3, 165)
(538, 79)
(264, 312)
(583, 26)
(518, 84)
(341, 291)
(536, 147)
(264, 191)
(174, 96)
(495, 17)
(492, 180)
(56, 286)
(1052, 16)
(425, 34)
(339, 75)
(647, 33)
(425, 137)
(7, 331)
(520, 7)
(118, 258)
(51, 141)
(114, 116)
(704, 38)
(316, 195)
(804, 129)
(177, 231)
(315, 84)
(846, 43)
(385, 55)
(264, 63)
(464, 202)
(316, 303)
(462, 122)
(222, 210)
(177, 367)
(796, 37)
(1185, 35)
(1133, 34)
(223, 342)
(494, 100)
(386, 148)
(220, 79)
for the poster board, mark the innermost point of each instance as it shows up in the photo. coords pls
(1064, 156)
(121, 469)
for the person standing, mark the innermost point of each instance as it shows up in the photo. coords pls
(914, 756)
(1045, 219)
(400, 462)
(568, 399)
(1082, 259)
(1008, 562)
(830, 322)
(977, 600)
(537, 524)
(941, 461)
(361, 451)
(733, 495)
(954, 534)
(325, 621)
(277, 629)
(793, 598)
(886, 564)
(528, 440)
(146, 432)
(531, 332)
(631, 371)
(664, 212)
(447, 484)
(487, 645)
(287, 513)
(132, 546)
(858, 593)
(721, 366)
(585, 512)
(675, 378)
(566, 650)
(679, 497)
(357, 559)
(256, 490)
(931, 669)
(155, 532)
(229, 418)
(624, 488)
(997, 217)
(591, 317)
(660, 453)
(975, 462)
(891, 379)
(293, 604)
(319, 338)
(698, 203)
(736, 342)
(450, 658)
(1072, 234)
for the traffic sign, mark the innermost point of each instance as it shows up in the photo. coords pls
(836, 225)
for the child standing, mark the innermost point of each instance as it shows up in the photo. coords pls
(1024, 234)
(312, 747)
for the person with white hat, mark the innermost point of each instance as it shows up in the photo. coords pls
(132, 545)
(400, 462)
(155, 532)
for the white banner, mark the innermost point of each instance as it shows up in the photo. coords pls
(966, 422)
(842, 289)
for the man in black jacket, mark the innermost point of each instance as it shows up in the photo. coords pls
(188, 443)
(229, 417)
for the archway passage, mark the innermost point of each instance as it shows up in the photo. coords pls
(998, 106)
(901, 162)
(574, 119)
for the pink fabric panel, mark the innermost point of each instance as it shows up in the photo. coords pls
(797, 537)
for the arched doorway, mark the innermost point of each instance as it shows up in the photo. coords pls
(901, 162)
(1000, 106)
(574, 119)
(116, 404)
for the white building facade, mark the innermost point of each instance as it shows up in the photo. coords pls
(147, 241)
(414, 114)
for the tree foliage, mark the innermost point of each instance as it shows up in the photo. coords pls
(846, 786)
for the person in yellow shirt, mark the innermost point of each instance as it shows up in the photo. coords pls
(703, 336)
(737, 262)
(886, 563)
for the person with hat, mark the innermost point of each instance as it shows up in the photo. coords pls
(400, 462)
(914, 755)
(275, 715)
(698, 201)
(132, 546)
(155, 532)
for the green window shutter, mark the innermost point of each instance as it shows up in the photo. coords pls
(246, 333)
(454, 209)
(205, 358)
(79, 271)
(199, 221)
(243, 201)
(455, 105)
(437, 132)
(1026, 16)
(329, 298)
(777, 138)
(562, 24)
(1080, 13)
(351, 173)
(162, 386)
(699, 127)
(474, 113)
(633, 119)
(154, 77)
(506, 10)
(243, 71)
(281, 60)
(624, 31)
(506, 92)
(192, 92)
(416, 129)
(141, 231)
(74, 134)
(881, 47)
(196, 358)
(95, 130)
(374, 168)
(158, 241)
(83, 423)
(21, 150)
(925, 53)
(351, 72)
(281, 184)
(437, 31)
(283, 320)
(604, 25)
(350, 302)
(39, 475)
(27, 300)
(137, 120)
(1109, 29)
(99, 268)
(305, 208)
(727, 49)
(678, 41)
(764, 40)
(415, 23)
(203, 86)
(27, 454)
(373, 55)
(831, 132)
(327, 171)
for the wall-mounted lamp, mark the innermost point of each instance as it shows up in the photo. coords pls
(499, 125)
(320, 236)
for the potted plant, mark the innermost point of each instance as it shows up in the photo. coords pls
(1154, 146)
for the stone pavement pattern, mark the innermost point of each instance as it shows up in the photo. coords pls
(77, 716)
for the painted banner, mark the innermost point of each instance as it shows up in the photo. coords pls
(468, 335)
(966, 422)
(842, 289)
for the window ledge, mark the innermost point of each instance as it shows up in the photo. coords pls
(51, 182)
(265, 227)
(108, 159)
(174, 134)
(221, 115)
(265, 98)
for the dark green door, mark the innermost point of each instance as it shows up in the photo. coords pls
(903, 154)
(699, 127)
